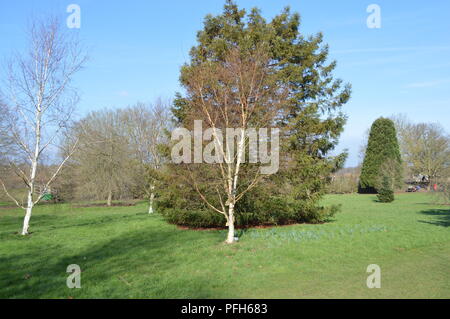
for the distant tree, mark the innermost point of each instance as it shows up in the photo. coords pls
(444, 190)
(118, 153)
(382, 147)
(363, 146)
(146, 126)
(425, 148)
(344, 181)
(102, 165)
(38, 93)
(402, 126)
(5, 136)
(391, 171)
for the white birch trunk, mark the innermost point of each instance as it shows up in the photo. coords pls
(34, 162)
(152, 197)
(230, 236)
(234, 183)
(26, 221)
(109, 200)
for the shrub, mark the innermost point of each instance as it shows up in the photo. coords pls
(194, 218)
(274, 211)
(386, 194)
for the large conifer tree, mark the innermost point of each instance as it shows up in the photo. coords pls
(310, 123)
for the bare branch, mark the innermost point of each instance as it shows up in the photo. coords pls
(9, 195)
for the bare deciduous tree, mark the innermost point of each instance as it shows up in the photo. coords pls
(118, 152)
(103, 163)
(146, 126)
(41, 101)
(389, 171)
(425, 147)
(5, 136)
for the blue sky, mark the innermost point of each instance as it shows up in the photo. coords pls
(138, 46)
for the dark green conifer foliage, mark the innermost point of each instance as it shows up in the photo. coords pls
(310, 124)
(382, 148)
(386, 194)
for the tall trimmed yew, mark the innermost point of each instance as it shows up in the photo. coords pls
(382, 159)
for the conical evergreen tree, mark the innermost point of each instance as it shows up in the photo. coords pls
(385, 193)
(382, 148)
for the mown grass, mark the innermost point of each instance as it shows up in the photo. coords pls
(125, 253)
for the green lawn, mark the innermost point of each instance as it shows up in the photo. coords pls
(125, 253)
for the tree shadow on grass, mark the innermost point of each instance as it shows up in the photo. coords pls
(140, 264)
(41, 223)
(441, 217)
(12, 224)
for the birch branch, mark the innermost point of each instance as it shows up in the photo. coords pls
(56, 172)
(10, 196)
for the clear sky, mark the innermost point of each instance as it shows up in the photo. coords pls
(138, 46)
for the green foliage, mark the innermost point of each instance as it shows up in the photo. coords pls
(261, 212)
(210, 219)
(310, 123)
(382, 149)
(193, 218)
(385, 193)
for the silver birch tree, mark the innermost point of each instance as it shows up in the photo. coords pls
(236, 95)
(38, 93)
